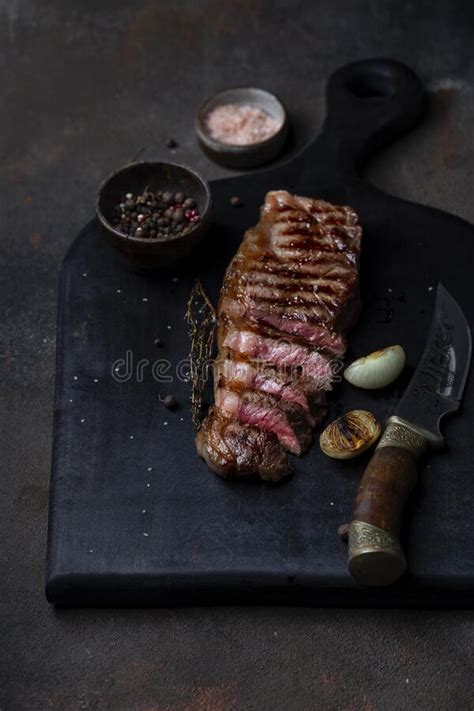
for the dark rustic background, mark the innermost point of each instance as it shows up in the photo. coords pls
(85, 87)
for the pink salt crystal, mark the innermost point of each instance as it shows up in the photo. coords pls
(240, 124)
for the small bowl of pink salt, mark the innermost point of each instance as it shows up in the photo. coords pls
(242, 127)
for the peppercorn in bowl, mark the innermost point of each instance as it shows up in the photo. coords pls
(154, 213)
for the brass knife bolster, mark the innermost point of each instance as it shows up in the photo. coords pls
(400, 433)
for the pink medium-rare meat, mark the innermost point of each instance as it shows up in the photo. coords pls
(280, 352)
(289, 296)
(268, 379)
(269, 413)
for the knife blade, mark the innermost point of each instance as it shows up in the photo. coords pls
(435, 390)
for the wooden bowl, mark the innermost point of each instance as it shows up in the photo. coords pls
(146, 253)
(253, 154)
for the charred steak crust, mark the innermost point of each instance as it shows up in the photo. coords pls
(234, 450)
(289, 296)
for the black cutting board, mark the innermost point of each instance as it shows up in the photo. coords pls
(137, 518)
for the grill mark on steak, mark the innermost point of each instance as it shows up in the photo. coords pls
(321, 292)
(283, 283)
(288, 297)
(322, 263)
(322, 313)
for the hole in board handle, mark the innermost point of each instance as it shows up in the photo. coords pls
(370, 85)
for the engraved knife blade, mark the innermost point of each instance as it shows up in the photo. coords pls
(438, 383)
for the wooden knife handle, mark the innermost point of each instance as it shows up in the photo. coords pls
(375, 553)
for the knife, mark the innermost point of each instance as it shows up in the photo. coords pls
(375, 554)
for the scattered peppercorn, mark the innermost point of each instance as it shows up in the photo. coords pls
(236, 201)
(172, 143)
(343, 531)
(169, 401)
(155, 215)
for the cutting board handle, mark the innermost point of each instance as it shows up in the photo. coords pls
(369, 104)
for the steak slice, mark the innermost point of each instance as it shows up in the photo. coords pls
(268, 379)
(289, 296)
(231, 449)
(287, 420)
(285, 354)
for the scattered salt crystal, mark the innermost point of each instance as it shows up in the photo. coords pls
(430, 288)
(168, 327)
(70, 400)
(174, 279)
(148, 485)
(83, 420)
(145, 299)
(119, 291)
(91, 550)
(389, 291)
(240, 125)
(149, 469)
(331, 503)
(143, 510)
(96, 380)
(85, 274)
(182, 419)
(75, 377)
(146, 534)
(165, 423)
(131, 436)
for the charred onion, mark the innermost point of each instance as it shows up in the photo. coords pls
(350, 435)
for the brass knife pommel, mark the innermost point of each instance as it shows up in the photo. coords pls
(375, 556)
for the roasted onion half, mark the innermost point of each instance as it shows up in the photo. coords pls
(350, 435)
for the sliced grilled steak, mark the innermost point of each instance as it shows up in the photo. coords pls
(287, 420)
(284, 353)
(289, 296)
(268, 379)
(231, 449)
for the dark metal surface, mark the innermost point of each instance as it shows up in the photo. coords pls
(85, 87)
(438, 382)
